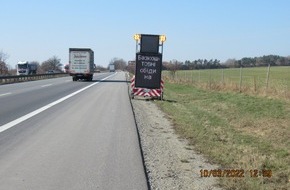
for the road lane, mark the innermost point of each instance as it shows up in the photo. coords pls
(32, 85)
(39, 110)
(26, 97)
(89, 141)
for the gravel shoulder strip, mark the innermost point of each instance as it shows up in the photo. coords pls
(171, 163)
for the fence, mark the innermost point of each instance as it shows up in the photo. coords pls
(274, 81)
(22, 78)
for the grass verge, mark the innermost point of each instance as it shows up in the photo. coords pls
(236, 131)
(255, 80)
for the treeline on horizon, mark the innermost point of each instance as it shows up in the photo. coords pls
(273, 60)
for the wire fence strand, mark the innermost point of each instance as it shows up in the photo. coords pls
(270, 81)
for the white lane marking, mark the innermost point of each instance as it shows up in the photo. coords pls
(5, 94)
(31, 114)
(46, 85)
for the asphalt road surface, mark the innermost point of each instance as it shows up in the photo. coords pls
(60, 134)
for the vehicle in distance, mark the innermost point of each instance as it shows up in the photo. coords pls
(50, 72)
(53, 72)
(66, 68)
(26, 68)
(62, 68)
(112, 68)
(81, 63)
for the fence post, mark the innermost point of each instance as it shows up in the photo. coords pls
(223, 77)
(286, 89)
(241, 79)
(255, 84)
(191, 76)
(199, 76)
(209, 79)
(267, 80)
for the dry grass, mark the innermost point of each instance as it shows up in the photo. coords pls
(237, 131)
(253, 80)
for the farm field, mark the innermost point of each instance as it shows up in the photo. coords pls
(234, 130)
(258, 80)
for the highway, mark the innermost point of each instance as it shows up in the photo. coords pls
(60, 134)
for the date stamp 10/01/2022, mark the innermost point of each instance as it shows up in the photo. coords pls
(235, 173)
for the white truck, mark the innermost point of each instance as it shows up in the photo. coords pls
(112, 68)
(81, 63)
(26, 68)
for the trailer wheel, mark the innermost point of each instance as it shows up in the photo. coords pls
(89, 78)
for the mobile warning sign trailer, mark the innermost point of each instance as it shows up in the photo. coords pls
(147, 81)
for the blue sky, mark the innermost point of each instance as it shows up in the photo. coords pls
(36, 30)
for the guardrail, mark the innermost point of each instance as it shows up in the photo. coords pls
(22, 78)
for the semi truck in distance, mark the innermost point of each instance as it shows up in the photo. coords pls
(112, 68)
(81, 63)
(26, 68)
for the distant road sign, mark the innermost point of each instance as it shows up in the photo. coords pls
(148, 70)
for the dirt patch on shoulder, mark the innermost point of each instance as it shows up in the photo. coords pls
(171, 163)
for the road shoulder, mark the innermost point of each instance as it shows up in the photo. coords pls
(170, 162)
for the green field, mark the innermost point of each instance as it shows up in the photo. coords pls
(250, 80)
(234, 130)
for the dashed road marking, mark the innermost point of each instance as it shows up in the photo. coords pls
(46, 85)
(5, 94)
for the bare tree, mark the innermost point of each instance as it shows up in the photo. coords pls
(119, 63)
(131, 67)
(3, 65)
(231, 63)
(50, 64)
(173, 66)
(100, 68)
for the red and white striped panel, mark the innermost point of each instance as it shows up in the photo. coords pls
(133, 82)
(144, 91)
(161, 85)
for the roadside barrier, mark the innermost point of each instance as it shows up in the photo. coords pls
(22, 78)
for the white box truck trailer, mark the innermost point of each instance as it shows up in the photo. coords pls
(81, 63)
